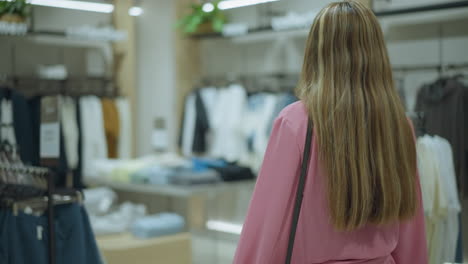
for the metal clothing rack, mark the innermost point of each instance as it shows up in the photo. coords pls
(20, 185)
(272, 82)
(434, 7)
(49, 196)
(429, 67)
(73, 86)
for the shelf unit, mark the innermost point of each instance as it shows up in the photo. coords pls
(268, 33)
(170, 190)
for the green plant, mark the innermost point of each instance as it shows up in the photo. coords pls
(191, 22)
(16, 7)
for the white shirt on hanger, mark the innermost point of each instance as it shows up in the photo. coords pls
(68, 119)
(94, 144)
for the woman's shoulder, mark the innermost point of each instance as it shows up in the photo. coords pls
(296, 117)
(295, 114)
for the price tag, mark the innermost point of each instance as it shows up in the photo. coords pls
(50, 130)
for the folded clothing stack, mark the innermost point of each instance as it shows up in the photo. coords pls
(227, 171)
(158, 225)
(190, 177)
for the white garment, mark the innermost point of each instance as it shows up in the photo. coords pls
(7, 132)
(189, 126)
(68, 119)
(125, 135)
(440, 197)
(118, 221)
(229, 139)
(428, 173)
(256, 125)
(94, 145)
(449, 225)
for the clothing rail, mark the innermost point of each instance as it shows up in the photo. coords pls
(32, 86)
(434, 7)
(428, 67)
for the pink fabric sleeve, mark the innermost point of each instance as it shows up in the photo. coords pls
(266, 228)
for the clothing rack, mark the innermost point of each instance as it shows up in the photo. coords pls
(22, 185)
(254, 83)
(429, 67)
(73, 86)
(434, 7)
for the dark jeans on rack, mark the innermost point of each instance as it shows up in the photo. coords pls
(24, 238)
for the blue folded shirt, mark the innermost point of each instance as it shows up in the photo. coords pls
(158, 225)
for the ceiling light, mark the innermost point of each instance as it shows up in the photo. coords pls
(135, 11)
(228, 4)
(76, 5)
(225, 227)
(208, 7)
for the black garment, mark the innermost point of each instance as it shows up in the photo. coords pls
(78, 176)
(202, 126)
(35, 110)
(443, 104)
(22, 125)
(234, 172)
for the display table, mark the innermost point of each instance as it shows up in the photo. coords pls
(125, 248)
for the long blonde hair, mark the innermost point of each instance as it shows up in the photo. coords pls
(364, 139)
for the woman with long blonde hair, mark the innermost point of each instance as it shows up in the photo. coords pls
(361, 193)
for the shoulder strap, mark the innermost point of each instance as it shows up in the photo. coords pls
(300, 191)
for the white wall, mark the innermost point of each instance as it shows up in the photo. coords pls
(155, 71)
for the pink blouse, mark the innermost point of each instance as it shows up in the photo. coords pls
(265, 233)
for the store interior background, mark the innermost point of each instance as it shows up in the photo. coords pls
(161, 66)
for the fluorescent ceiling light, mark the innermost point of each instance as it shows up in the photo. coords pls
(208, 7)
(135, 11)
(228, 4)
(76, 5)
(224, 227)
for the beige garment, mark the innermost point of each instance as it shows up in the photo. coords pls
(111, 126)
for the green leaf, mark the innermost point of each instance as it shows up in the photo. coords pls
(218, 25)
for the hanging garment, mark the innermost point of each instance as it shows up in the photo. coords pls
(24, 238)
(125, 133)
(229, 139)
(449, 225)
(443, 105)
(440, 196)
(70, 130)
(188, 127)
(18, 114)
(283, 101)
(111, 126)
(258, 111)
(7, 129)
(94, 145)
(209, 97)
(202, 126)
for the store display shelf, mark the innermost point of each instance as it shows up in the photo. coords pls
(258, 35)
(268, 33)
(59, 38)
(169, 190)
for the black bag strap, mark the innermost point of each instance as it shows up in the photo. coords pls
(300, 191)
